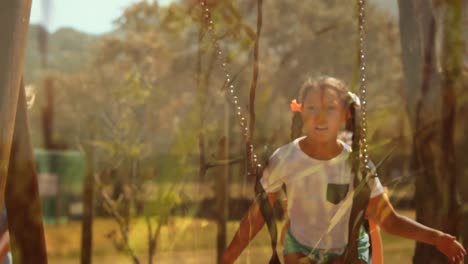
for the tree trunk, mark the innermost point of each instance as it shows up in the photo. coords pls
(430, 105)
(22, 195)
(452, 81)
(222, 197)
(16, 158)
(14, 23)
(88, 210)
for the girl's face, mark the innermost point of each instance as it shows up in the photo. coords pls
(323, 114)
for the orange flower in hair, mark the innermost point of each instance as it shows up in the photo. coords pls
(295, 106)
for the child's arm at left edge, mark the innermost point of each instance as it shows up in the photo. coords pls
(382, 212)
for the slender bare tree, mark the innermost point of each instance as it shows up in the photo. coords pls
(431, 55)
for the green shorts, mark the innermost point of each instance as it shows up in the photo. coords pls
(291, 245)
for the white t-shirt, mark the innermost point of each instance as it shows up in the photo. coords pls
(319, 194)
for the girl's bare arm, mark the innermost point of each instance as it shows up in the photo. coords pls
(382, 212)
(249, 226)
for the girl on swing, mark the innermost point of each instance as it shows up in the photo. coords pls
(316, 172)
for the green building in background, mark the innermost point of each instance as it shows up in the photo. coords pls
(60, 178)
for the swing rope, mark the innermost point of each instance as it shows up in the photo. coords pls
(362, 172)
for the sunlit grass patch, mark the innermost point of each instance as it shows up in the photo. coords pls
(190, 237)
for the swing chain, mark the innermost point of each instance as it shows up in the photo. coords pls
(231, 91)
(364, 155)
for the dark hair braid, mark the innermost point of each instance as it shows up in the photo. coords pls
(351, 126)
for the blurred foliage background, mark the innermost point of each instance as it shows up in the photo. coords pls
(144, 97)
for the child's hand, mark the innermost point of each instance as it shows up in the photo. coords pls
(448, 245)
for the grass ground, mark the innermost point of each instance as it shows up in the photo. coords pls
(183, 240)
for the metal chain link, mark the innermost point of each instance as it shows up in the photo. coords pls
(230, 86)
(364, 150)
